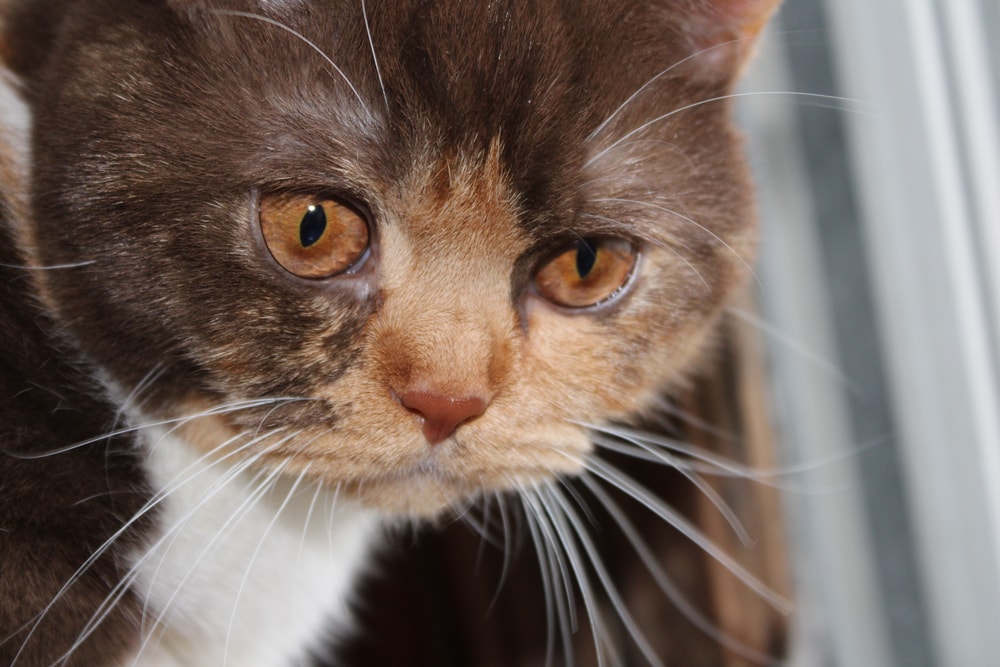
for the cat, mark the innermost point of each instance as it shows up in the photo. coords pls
(277, 273)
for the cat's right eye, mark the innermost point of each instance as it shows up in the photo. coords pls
(312, 237)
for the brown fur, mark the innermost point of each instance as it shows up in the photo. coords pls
(489, 136)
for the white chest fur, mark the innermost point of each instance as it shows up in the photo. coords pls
(244, 569)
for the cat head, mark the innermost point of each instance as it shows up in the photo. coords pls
(413, 247)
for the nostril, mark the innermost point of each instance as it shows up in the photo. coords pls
(442, 414)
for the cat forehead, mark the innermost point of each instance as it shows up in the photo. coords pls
(317, 93)
(465, 200)
(541, 75)
(187, 5)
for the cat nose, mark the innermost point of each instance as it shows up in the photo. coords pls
(442, 414)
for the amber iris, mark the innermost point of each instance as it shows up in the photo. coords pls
(586, 272)
(312, 237)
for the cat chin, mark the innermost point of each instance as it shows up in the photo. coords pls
(430, 497)
(410, 498)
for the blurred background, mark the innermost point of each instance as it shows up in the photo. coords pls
(880, 299)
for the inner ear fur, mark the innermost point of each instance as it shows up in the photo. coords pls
(721, 34)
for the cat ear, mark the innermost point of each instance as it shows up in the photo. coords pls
(722, 33)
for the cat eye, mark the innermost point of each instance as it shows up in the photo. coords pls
(313, 237)
(587, 272)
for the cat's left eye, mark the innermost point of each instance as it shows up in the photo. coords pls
(586, 272)
(313, 237)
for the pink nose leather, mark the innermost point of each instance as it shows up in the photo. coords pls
(442, 414)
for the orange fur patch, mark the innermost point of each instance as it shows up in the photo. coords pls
(446, 324)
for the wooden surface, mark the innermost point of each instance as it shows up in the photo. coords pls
(438, 600)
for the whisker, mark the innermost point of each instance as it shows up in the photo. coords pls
(666, 585)
(665, 246)
(230, 473)
(267, 415)
(218, 410)
(174, 534)
(691, 221)
(123, 586)
(104, 609)
(825, 365)
(304, 40)
(260, 544)
(718, 465)
(461, 511)
(615, 477)
(144, 510)
(104, 494)
(507, 532)
(567, 513)
(371, 43)
(49, 267)
(686, 262)
(563, 537)
(710, 100)
(606, 121)
(331, 510)
(544, 570)
(762, 477)
(224, 531)
(703, 426)
(645, 452)
(482, 528)
(159, 624)
(556, 587)
(305, 531)
(147, 381)
(713, 496)
(131, 400)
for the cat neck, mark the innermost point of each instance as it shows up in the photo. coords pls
(243, 568)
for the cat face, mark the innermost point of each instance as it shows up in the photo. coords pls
(415, 249)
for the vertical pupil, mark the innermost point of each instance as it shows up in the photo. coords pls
(312, 226)
(586, 257)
